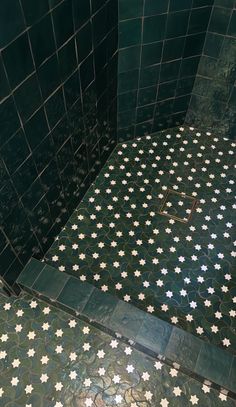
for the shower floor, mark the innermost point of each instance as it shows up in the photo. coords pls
(48, 359)
(171, 255)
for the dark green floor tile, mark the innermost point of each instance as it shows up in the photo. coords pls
(232, 376)
(50, 282)
(214, 364)
(126, 320)
(100, 306)
(154, 334)
(30, 272)
(183, 348)
(75, 294)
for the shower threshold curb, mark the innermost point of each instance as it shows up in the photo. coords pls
(157, 338)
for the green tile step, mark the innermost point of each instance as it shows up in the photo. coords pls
(156, 337)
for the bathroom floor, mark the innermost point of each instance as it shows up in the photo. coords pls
(48, 359)
(136, 237)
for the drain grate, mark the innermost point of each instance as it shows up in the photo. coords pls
(178, 206)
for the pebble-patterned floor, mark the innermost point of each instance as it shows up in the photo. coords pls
(118, 240)
(48, 359)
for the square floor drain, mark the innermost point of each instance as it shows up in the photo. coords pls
(178, 206)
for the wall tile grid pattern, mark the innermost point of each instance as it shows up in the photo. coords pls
(213, 101)
(58, 81)
(160, 43)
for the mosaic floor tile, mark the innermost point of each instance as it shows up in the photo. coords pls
(118, 241)
(49, 359)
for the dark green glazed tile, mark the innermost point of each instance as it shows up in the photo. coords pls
(19, 52)
(149, 76)
(99, 28)
(199, 20)
(173, 49)
(177, 24)
(145, 113)
(127, 101)
(50, 282)
(194, 44)
(213, 44)
(129, 59)
(225, 3)
(232, 376)
(181, 103)
(10, 12)
(130, 32)
(84, 41)
(153, 7)
(44, 153)
(30, 272)
(128, 81)
(126, 320)
(147, 96)
(25, 176)
(154, 334)
(177, 5)
(86, 72)
(7, 257)
(28, 97)
(214, 364)
(126, 118)
(151, 54)
(9, 120)
(81, 12)
(154, 28)
(169, 71)
(4, 87)
(42, 40)
(63, 23)
(33, 11)
(166, 90)
(183, 348)
(75, 294)
(189, 66)
(55, 108)
(219, 20)
(49, 77)
(36, 128)
(34, 194)
(232, 24)
(130, 8)
(100, 306)
(15, 151)
(72, 90)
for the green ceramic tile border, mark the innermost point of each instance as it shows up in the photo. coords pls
(150, 334)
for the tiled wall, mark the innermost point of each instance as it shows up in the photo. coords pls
(58, 87)
(213, 103)
(160, 43)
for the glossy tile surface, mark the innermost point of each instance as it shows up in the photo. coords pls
(58, 76)
(214, 94)
(118, 241)
(160, 43)
(48, 359)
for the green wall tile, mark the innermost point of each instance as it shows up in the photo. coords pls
(154, 28)
(19, 52)
(130, 32)
(130, 8)
(129, 59)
